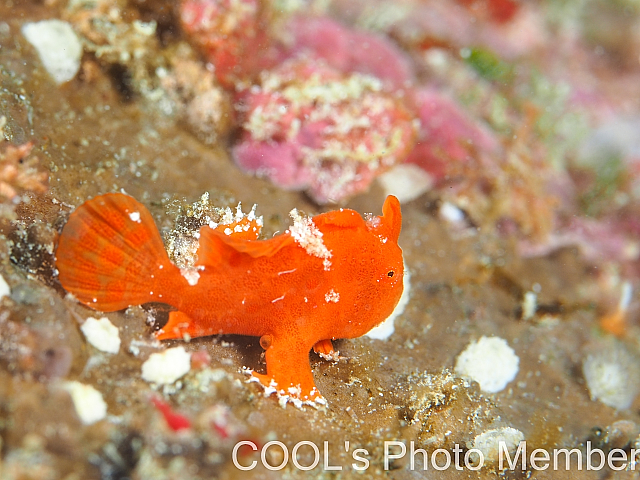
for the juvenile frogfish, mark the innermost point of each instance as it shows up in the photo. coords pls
(335, 275)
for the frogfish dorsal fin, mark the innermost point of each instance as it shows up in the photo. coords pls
(218, 249)
(390, 223)
(343, 218)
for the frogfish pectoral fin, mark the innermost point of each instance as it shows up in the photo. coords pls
(289, 372)
(180, 325)
(324, 348)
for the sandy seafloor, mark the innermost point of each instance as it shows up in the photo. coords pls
(92, 140)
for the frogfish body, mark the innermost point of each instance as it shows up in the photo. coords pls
(335, 275)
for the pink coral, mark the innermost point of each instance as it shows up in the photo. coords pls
(235, 38)
(323, 117)
(349, 50)
(447, 135)
(309, 126)
(508, 28)
(597, 240)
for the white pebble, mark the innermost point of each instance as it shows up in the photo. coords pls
(167, 366)
(489, 442)
(451, 213)
(89, 404)
(5, 290)
(58, 47)
(611, 377)
(529, 305)
(406, 181)
(490, 361)
(102, 334)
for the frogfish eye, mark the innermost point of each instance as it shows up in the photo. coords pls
(390, 273)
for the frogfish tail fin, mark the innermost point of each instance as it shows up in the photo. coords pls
(110, 254)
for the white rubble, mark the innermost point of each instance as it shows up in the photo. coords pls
(5, 290)
(406, 182)
(611, 376)
(89, 404)
(102, 334)
(58, 47)
(167, 366)
(490, 361)
(489, 442)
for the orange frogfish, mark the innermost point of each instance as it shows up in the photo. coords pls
(335, 275)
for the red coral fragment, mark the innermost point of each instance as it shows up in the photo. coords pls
(175, 420)
(232, 35)
(498, 11)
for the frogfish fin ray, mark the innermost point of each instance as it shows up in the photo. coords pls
(218, 249)
(110, 254)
